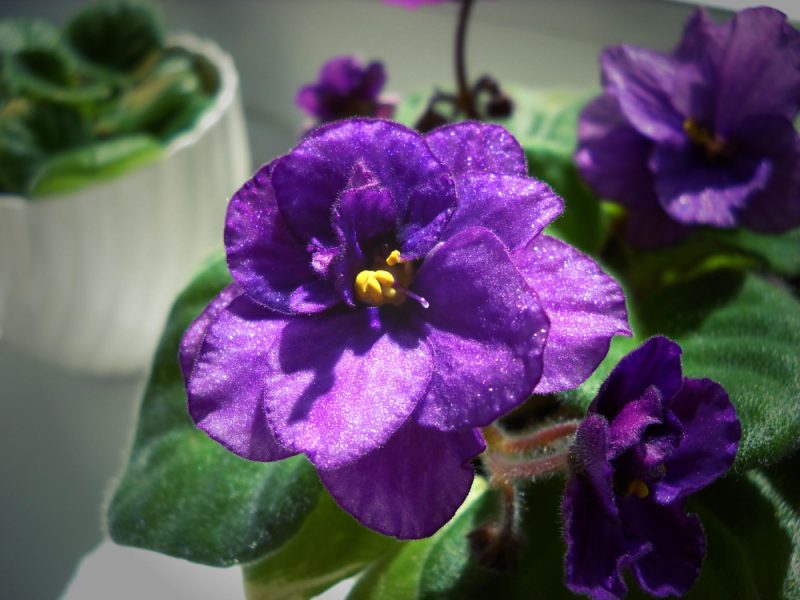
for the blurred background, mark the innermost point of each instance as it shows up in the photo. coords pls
(64, 434)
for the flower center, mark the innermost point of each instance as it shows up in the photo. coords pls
(638, 488)
(387, 284)
(702, 137)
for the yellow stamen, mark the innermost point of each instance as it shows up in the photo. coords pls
(638, 488)
(376, 287)
(394, 258)
(700, 136)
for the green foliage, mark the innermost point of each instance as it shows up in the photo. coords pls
(185, 495)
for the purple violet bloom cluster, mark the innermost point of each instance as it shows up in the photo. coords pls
(703, 135)
(651, 439)
(392, 293)
(346, 87)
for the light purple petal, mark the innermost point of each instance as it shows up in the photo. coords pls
(711, 433)
(470, 146)
(585, 306)
(225, 388)
(698, 192)
(643, 81)
(308, 181)
(411, 486)
(657, 362)
(678, 546)
(339, 385)
(516, 209)
(308, 100)
(263, 256)
(425, 215)
(487, 330)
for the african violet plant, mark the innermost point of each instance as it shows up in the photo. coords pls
(98, 97)
(402, 332)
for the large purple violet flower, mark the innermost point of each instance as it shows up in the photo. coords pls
(392, 293)
(652, 438)
(701, 136)
(346, 88)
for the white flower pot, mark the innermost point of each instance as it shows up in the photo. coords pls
(87, 278)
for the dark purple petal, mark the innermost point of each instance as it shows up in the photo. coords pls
(589, 463)
(487, 330)
(678, 546)
(711, 433)
(586, 308)
(694, 191)
(657, 362)
(263, 256)
(225, 387)
(372, 81)
(643, 81)
(760, 73)
(411, 486)
(339, 385)
(470, 146)
(308, 181)
(516, 209)
(342, 74)
(651, 227)
(425, 215)
(612, 155)
(702, 39)
(628, 427)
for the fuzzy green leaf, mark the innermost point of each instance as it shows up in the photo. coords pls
(185, 495)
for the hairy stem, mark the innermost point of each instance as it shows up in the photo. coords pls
(466, 101)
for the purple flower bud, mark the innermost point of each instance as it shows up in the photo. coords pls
(702, 135)
(651, 439)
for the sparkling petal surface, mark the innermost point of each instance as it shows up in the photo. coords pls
(487, 330)
(225, 388)
(339, 385)
(516, 209)
(586, 308)
(470, 146)
(263, 256)
(411, 486)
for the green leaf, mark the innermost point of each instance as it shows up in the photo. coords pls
(744, 332)
(779, 253)
(329, 547)
(74, 169)
(185, 495)
(116, 35)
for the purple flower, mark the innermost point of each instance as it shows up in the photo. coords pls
(392, 293)
(652, 438)
(346, 88)
(701, 136)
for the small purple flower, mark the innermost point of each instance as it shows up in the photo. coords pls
(703, 135)
(651, 439)
(346, 88)
(392, 293)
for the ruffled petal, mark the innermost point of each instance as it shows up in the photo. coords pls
(265, 258)
(471, 146)
(711, 433)
(411, 486)
(429, 208)
(677, 546)
(585, 306)
(339, 385)
(657, 362)
(308, 181)
(487, 330)
(225, 387)
(628, 427)
(516, 209)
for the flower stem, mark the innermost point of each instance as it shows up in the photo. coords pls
(545, 436)
(466, 101)
(504, 471)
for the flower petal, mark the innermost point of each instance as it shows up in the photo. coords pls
(263, 256)
(471, 146)
(678, 545)
(429, 208)
(698, 192)
(589, 462)
(657, 362)
(711, 433)
(487, 330)
(225, 387)
(628, 427)
(650, 227)
(585, 306)
(516, 209)
(340, 385)
(308, 180)
(411, 486)
(643, 81)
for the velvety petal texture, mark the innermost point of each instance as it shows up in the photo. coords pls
(702, 136)
(380, 313)
(651, 438)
